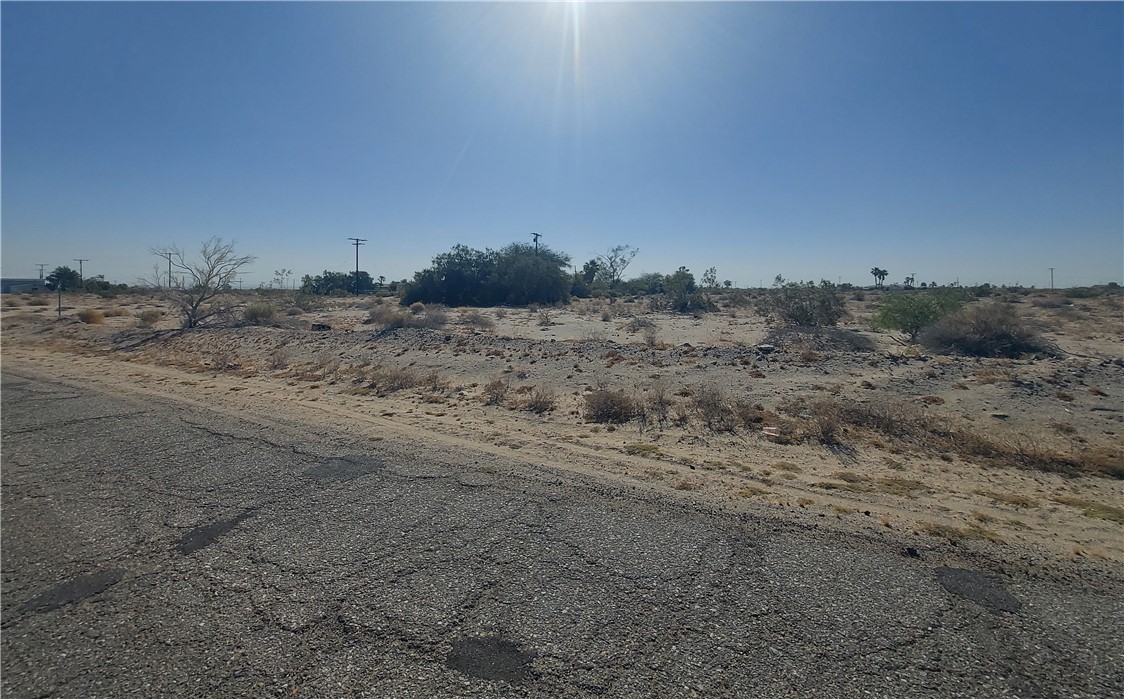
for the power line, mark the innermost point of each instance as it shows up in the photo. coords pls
(41, 266)
(357, 242)
(80, 260)
(536, 236)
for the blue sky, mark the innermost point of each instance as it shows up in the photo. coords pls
(983, 142)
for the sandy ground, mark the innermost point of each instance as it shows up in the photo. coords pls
(518, 381)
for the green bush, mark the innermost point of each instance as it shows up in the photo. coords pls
(910, 311)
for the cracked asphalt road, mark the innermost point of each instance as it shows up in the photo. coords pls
(162, 550)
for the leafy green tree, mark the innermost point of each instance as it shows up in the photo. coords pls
(64, 277)
(710, 278)
(516, 275)
(336, 283)
(911, 311)
(523, 275)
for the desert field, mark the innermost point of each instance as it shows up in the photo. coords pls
(842, 428)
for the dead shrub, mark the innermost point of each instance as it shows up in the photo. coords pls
(496, 390)
(417, 307)
(541, 400)
(116, 312)
(711, 405)
(38, 301)
(91, 316)
(984, 330)
(609, 406)
(12, 302)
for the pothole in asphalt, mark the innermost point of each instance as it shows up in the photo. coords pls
(491, 658)
(982, 589)
(74, 590)
(345, 468)
(207, 534)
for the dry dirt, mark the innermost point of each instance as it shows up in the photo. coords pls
(1009, 457)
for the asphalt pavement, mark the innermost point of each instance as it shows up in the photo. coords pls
(156, 549)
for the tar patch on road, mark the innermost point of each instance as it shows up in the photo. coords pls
(982, 589)
(74, 590)
(346, 468)
(491, 658)
(204, 535)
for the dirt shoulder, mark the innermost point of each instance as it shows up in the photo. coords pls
(724, 424)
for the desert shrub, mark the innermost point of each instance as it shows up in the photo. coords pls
(294, 311)
(819, 339)
(258, 313)
(116, 312)
(417, 307)
(12, 302)
(148, 317)
(496, 390)
(476, 319)
(985, 330)
(541, 400)
(711, 405)
(91, 316)
(804, 303)
(386, 316)
(280, 357)
(39, 301)
(609, 406)
(637, 324)
(1080, 292)
(651, 336)
(384, 380)
(434, 317)
(910, 311)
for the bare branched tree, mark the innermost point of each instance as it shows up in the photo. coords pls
(199, 287)
(612, 264)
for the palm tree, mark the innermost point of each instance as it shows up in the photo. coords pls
(879, 275)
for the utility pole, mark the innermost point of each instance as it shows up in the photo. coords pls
(357, 242)
(41, 266)
(1051, 278)
(536, 236)
(169, 256)
(80, 260)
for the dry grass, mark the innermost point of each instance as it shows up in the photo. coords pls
(926, 433)
(91, 316)
(1012, 499)
(1096, 510)
(642, 449)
